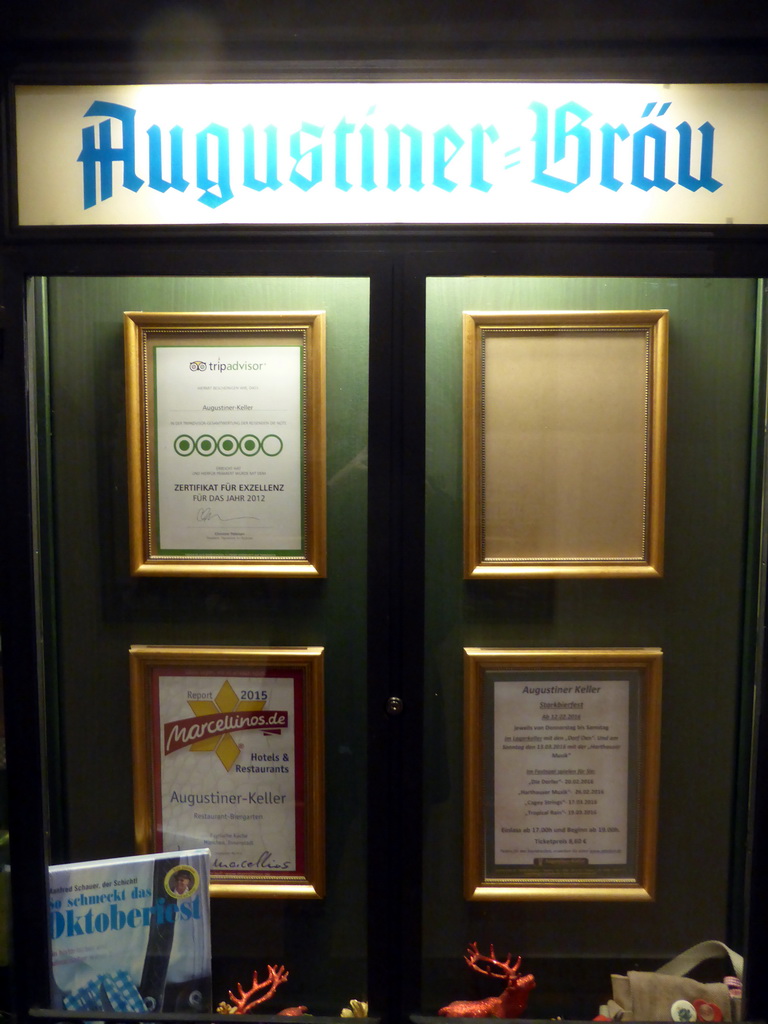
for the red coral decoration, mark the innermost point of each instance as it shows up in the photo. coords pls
(244, 1001)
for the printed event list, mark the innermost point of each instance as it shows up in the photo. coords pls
(561, 761)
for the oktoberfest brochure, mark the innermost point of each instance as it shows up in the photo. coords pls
(229, 448)
(229, 767)
(131, 934)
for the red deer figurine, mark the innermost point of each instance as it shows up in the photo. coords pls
(512, 1000)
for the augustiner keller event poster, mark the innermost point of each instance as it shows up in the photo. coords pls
(228, 767)
(229, 448)
(561, 766)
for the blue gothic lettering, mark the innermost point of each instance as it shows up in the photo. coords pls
(105, 154)
(213, 132)
(566, 144)
(441, 161)
(578, 133)
(416, 181)
(684, 175)
(479, 135)
(315, 154)
(249, 159)
(610, 134)
(657, 137)
(341, 132)
(156, 179)
(367, 179)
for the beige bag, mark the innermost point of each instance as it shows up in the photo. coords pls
(650, 995)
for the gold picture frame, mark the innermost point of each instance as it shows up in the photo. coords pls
(564, 434)
(226, 443)
(561, 773)
(228, 753)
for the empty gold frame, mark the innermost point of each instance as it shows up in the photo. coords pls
(561, 762)
(226, 443)
(564, 443)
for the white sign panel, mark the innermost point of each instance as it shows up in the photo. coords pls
(560, 773)
(206, 510)
(392, 153)
(209, 790)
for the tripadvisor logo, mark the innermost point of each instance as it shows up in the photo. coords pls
(199, 365)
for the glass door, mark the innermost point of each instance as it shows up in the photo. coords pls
(99, 612)
(694, 616)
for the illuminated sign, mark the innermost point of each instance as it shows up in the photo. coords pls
(391, 153)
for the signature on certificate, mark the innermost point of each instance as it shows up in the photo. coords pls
(206, 515)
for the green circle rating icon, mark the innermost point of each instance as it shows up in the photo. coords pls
(228, 445)
(271, 445)
(250, 444)
(205, 444)
(184, 444)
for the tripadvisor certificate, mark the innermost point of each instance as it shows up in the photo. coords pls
(229, 447)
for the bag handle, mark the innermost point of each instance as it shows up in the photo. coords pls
(697, 954)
